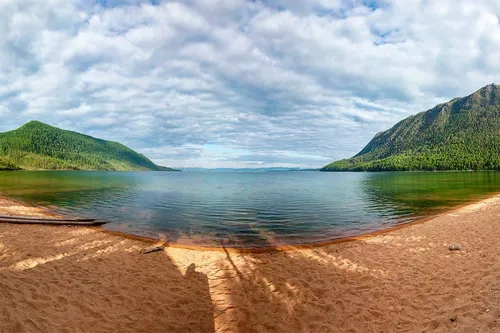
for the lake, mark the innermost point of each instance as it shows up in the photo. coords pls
(248, 209)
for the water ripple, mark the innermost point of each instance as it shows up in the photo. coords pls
(248, 209)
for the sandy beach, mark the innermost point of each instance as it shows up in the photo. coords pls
(76, 279)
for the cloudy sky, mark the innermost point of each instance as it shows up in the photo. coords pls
(234, 83)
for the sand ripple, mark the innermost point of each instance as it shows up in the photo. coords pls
(60, 279)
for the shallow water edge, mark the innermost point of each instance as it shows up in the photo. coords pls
(270, 247)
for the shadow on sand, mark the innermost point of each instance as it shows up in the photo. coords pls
(71, 280)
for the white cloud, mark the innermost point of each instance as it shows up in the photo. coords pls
(290, 82)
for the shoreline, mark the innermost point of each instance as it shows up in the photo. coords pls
(299, 246)
(66, 279)
(267, 248)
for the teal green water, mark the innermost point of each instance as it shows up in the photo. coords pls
(248, 209)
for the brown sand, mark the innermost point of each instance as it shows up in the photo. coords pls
(63, 279)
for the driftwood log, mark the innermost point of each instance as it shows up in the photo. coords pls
(21, 217)
(49, 221)
(153, 249)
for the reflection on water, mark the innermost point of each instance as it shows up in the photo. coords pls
(248, 209)
(423, 192)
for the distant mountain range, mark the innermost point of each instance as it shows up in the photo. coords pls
(463, 134)
(38, 146)
(271, 169)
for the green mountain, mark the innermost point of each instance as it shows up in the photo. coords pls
(463, 134)
(38, 146)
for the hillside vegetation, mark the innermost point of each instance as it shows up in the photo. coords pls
(463, 134)
(38, 146)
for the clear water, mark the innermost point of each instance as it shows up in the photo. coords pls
(248, 209)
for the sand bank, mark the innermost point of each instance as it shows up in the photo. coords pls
(67, 279)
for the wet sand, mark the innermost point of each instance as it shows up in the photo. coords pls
(77, 279)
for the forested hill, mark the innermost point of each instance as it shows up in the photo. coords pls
(38, 146)
(463, 134)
